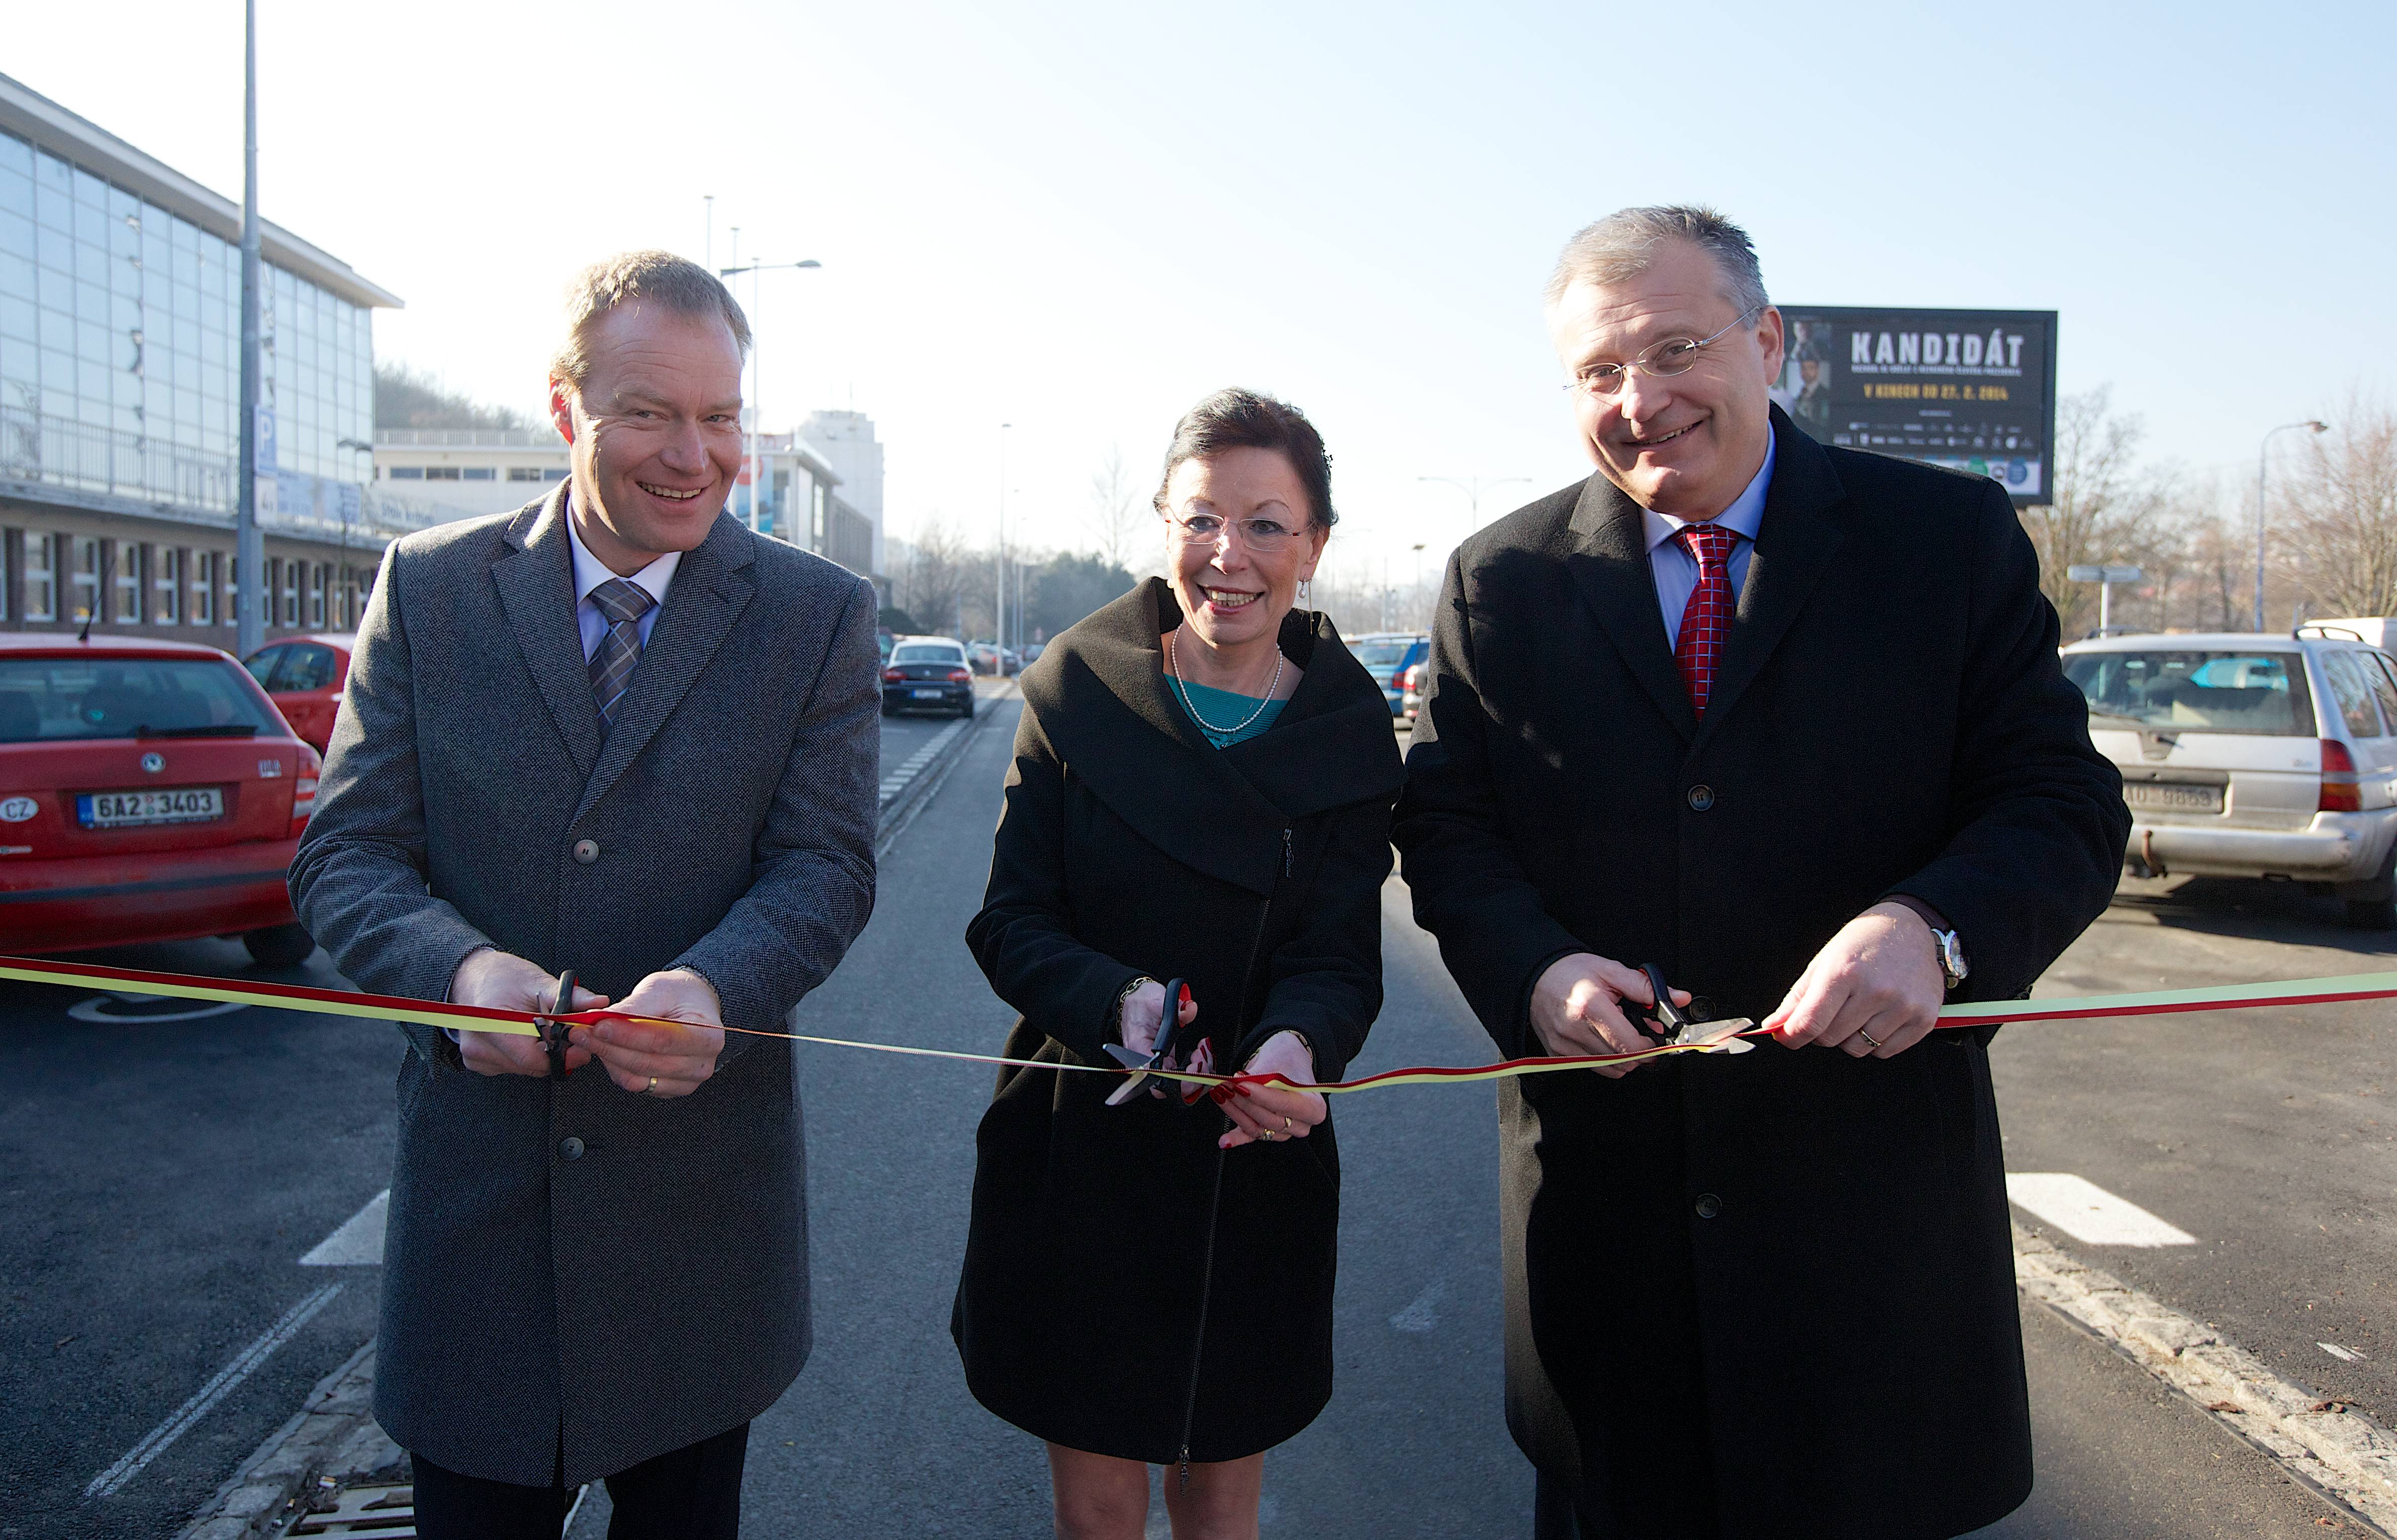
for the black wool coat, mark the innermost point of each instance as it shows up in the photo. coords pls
(1096, 1310)
(1794, 1264)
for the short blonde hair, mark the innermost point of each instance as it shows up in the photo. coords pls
(1622, 245)
(677, 283)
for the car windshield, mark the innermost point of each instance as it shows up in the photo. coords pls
(920, 653)
(1382, 656)
(52, 700)
(2259, 694)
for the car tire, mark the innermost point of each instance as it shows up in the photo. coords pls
(2371, 914)
(280, 945)
(889, 709)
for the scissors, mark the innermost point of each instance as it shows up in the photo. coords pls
(1144, 1068)
(552, 1037)
(1683, 1028)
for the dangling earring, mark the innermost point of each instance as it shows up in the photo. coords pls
(1306, 591)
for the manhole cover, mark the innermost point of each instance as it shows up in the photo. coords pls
(387, 1512)
(133, 1010)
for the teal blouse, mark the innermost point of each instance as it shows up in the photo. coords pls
(1222, 705)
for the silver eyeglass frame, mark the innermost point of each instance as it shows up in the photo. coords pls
(1645, 363)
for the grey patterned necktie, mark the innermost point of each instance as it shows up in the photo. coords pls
(622, 604)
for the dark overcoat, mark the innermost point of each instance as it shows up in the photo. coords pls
(1096, 1310)
(574, 1273)
(1794, 1263)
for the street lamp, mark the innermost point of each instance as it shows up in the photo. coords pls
(757, 369)
(341, 569)
(999, 622)
(1473, 486)
(2263, 460)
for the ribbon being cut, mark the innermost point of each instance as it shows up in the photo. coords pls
(1700, 1037)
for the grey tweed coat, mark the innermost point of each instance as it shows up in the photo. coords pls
(576, 1277)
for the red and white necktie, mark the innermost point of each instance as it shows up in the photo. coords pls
(1705, 620)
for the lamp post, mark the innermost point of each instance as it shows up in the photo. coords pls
(1473, 486)
(999, 622)
(1419, 551)
(2263, 461)
(758, 377)
(342, 570)
(249, 546)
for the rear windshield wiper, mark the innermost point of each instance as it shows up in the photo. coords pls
(219, 730)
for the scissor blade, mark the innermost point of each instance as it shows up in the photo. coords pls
(1719, 1036)
(1138, 1066)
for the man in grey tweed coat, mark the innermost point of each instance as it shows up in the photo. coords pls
(617, 733)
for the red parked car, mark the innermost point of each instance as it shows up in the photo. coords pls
(149, 791)
(306, 675)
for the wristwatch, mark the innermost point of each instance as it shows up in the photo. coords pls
(1945, 943)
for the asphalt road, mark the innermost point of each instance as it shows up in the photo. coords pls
(160, 1181)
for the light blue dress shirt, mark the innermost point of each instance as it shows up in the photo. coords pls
(1676, 572)
(590, 572)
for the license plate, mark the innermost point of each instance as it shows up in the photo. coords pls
(926, 694)
(118, 810)
(2164, 797)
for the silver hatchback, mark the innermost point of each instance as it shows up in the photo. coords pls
(2271, 756)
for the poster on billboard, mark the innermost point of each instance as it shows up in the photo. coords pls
(1972, 390)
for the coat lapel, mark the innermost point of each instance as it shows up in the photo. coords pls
(1795, 542)
(536, 583)
(711, 586)
(1610, 565)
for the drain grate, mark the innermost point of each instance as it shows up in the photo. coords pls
(386, 1513)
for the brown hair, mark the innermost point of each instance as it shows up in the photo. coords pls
(677, 283)
(1246, 420)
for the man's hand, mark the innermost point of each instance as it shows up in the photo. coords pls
(1873, 991)
(506, 981)
(1577, 1009)
(659, 1060)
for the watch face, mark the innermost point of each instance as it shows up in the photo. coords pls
(1951, 956)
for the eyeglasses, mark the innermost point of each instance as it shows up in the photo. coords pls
(1671, 357)
(1264, 536)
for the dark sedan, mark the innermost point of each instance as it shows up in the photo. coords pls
(927, 673)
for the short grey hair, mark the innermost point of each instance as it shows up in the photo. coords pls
(630, 277)
(1623, 244)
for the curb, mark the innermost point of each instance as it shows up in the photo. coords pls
(333, 1437)
(2342, 1454)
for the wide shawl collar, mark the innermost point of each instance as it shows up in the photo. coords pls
(1107, 709)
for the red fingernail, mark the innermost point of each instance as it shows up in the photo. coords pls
(1242, 1089)
(1185, 993)
(1219, 1095)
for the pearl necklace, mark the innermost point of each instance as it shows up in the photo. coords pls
(1183, 690)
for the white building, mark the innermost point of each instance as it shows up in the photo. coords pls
(847, 440)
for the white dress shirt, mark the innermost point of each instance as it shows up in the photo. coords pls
(1676, 572)
(590, 572)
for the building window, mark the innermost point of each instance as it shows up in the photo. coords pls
(85, 575)
(290, 592)
(125, 602)
(41, 577)
(317, 595)
(406, 473)
(481, 473)
(442, 472)
(524, 473)
(170, 608)
(203, 589)
(232, 612)
(553, 476)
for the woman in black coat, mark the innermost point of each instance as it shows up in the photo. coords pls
(1201, 791)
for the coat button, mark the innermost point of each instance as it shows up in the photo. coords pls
(1702, 797)
(1701, 1009)
(586, 850)
(1708, 1205)
(569, 1148)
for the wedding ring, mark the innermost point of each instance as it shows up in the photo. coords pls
(1285, 1126)
(1860, 1031)
(1266, 1134)
(652, 1089)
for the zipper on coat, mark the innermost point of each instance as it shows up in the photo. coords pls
(1289, 858)
(1214, 1205)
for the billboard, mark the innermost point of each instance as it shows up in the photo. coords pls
(1972, 390)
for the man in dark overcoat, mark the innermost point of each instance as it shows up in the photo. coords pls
(617, 733)
(1787, 721)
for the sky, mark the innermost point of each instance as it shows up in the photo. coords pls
(1078, 219)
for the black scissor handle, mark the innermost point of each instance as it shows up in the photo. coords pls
(553, 1036)
(1671, 1016)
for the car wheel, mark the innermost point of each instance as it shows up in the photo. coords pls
(889, 709)
(280, 945)
(2371, 914)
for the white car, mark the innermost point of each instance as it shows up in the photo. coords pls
(2271, 756)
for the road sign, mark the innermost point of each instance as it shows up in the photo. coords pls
(2103, 574)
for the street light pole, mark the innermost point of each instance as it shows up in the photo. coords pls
(2264, 460)
(1473, 486)
(757, 377)
(999, 626)
(249, 546)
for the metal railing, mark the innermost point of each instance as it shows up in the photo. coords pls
(53, 451)
(468, 438)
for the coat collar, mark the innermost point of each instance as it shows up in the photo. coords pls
(1799, 532)
(536, 582)
(1102, 697)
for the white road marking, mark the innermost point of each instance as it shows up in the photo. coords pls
(101, 1007)
(2344, 1355)
(358, 1242)
(1420, 1315)
(2089, 1214)
(248, 1362)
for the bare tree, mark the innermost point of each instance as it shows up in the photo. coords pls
(2339, 523)
(2104, 506)
(932, 578)
(1116, 512)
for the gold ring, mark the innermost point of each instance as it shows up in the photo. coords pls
(1285, 1124)
(653, 1087)
(1860, 1031)
(1266, 1134)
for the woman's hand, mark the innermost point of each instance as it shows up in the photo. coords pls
(1143, 1012)
(1271, 1112)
